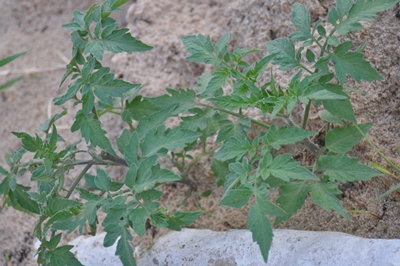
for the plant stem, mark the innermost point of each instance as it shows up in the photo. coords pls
(78, 179)
(306, 114)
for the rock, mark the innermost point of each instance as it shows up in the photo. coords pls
(91, 252)
(289, 247)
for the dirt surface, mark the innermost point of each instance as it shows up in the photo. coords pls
(36, 25)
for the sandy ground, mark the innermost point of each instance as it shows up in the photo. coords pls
(36, 25)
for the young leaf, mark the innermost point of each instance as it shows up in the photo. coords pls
(342, 140)
(117, 42)
(324, 194)
(291, 198)
(201, 49)
(343, 7)
(285, 135)
(344, 169)
(284, 52)
(285, 168)
(353, 64)
(91, 131)
(362, 10)
(261, 229)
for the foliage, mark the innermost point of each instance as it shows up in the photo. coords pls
(248, 166)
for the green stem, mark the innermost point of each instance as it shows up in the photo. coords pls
(78, 179)
(306, 114)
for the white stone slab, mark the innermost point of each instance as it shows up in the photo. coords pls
(289, 247)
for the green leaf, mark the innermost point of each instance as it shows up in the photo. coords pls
(343, 7)
(201, 49)
(9, 83)
(229, 129)
(30, 143)
(153, 121)
(181, 219)
(340, 108)
(214, 86)
(138, 218)
(49, 122)
(106, 87)
(184, 100)
(123, 140)
(10, 58)
(301, 19)
(63, 256)
(324, 195)
(117, 42)
(102, 180)
(285, 135)
(222, 45)
(132, 149)
(91, 131)
(284, 52)
(237, 197)
(344, 169)
(353, 64)
(285, 168)
(169, 139)
(233, 148)
(261, 229)
(362, 10)
(291, 198)
(69, 94)
(343, 139)
(23, 199)
(149, 178)
(124, 249)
